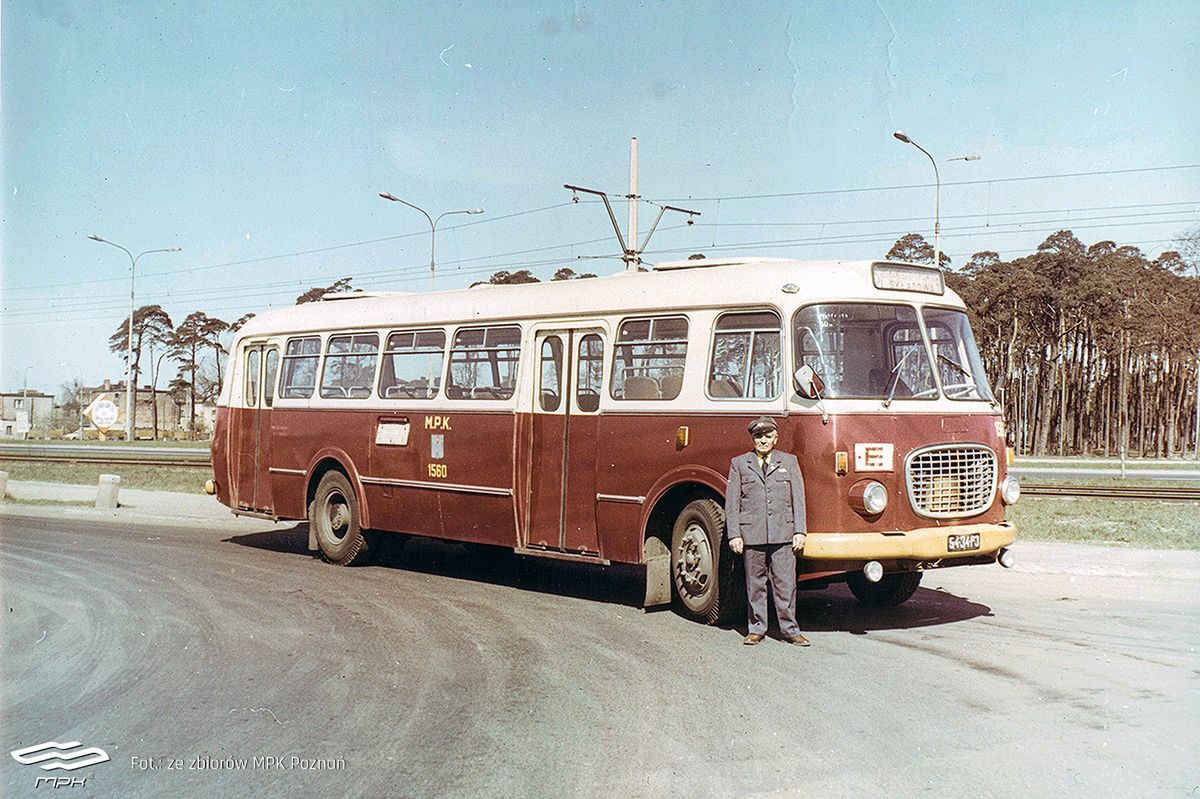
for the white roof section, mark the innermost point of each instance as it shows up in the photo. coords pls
(707, 283)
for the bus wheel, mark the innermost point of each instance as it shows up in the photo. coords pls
(705, 582)
(334, 516)
(894, 589)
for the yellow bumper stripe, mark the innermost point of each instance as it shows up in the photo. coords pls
(926, 543)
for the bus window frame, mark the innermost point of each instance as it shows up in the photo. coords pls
(329, 337)
(519, 360)
(283, 359)
(384, 352)
(712, 350)
(887, 329)
(615, 345)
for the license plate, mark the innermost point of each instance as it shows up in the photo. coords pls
(962, 543)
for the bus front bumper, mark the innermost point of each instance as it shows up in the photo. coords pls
(923, 544)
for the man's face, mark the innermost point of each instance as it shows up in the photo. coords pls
(765, 442)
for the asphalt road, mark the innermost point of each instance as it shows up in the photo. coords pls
(445, 674)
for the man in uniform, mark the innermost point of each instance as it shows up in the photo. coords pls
(765, 523)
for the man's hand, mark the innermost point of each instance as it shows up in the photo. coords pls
(798, 542)
(736, 545)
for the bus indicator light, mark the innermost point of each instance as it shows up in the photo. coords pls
(841, 463)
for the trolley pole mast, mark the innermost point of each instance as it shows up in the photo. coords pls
(631, 253)
(633, 200)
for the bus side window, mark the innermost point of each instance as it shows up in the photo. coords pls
(252, 358)
(648, 358)
(300, 367)
(746, 358)
(550, 391)
(412, 365)
(272, 363)
(590, 372)
(483, 363)
(349, 369)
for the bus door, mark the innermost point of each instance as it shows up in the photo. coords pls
(260, 365)
(562, 503)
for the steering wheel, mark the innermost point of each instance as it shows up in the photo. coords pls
(929, 392)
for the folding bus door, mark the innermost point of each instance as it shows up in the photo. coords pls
(252, 436)
(562, 480)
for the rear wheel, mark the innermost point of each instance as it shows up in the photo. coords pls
(333, 514)
(703, 570)
(894, 589)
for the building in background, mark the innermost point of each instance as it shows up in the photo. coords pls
(23, 411)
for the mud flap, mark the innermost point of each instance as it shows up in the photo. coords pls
(658, 573)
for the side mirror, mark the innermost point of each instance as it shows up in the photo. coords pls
(808, 383)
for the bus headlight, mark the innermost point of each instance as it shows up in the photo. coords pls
(1010, 490)
(868, 497)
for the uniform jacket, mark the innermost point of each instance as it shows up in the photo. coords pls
(765, 510)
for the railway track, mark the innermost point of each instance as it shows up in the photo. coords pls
(1113, 492)
(131, 456)
(199, 458)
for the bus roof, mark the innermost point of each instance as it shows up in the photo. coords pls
(700, 283)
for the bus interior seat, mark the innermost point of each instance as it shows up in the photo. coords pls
(640, 387)
(587, 400)
(672, 384)
(723, 388)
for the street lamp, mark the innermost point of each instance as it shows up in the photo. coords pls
(79, 396)
(133, 259)
(937, 195)
(432, 227)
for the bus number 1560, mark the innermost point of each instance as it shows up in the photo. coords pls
(437, 470)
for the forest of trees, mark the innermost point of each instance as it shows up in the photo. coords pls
(1090, 349)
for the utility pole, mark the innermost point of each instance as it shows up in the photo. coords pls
(631, 253)
(633, 199)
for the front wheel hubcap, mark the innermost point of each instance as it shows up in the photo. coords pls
(694, 565)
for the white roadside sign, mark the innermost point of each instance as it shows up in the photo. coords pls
(103, 412)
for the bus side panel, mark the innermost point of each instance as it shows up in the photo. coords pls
(220, 453)
(633, 453)
(402, 508)
(478, 502)
(298, 434)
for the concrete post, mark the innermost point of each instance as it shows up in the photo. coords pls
(3, 486)
(106, 494)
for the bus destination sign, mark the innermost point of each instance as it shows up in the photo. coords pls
(902, 277)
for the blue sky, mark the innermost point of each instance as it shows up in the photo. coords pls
(256, 136)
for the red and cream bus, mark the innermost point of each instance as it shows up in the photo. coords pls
(594, 420)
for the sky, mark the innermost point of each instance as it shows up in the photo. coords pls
(256, 137)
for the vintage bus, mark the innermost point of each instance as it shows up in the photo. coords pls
(594, 420)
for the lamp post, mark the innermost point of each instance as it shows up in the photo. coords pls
(79, 394)
(133, 259)
(937, 194)
(432, 228)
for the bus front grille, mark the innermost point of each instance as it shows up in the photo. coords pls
(951, 480)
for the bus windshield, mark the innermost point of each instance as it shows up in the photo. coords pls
(960, 369)
(866, 351)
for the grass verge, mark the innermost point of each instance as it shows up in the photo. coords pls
(151, 478)
(1143, 524)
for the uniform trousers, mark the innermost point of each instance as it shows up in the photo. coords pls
(778, 563)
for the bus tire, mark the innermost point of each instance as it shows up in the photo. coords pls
(894, 589)
(704, 573)
(333, 514)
